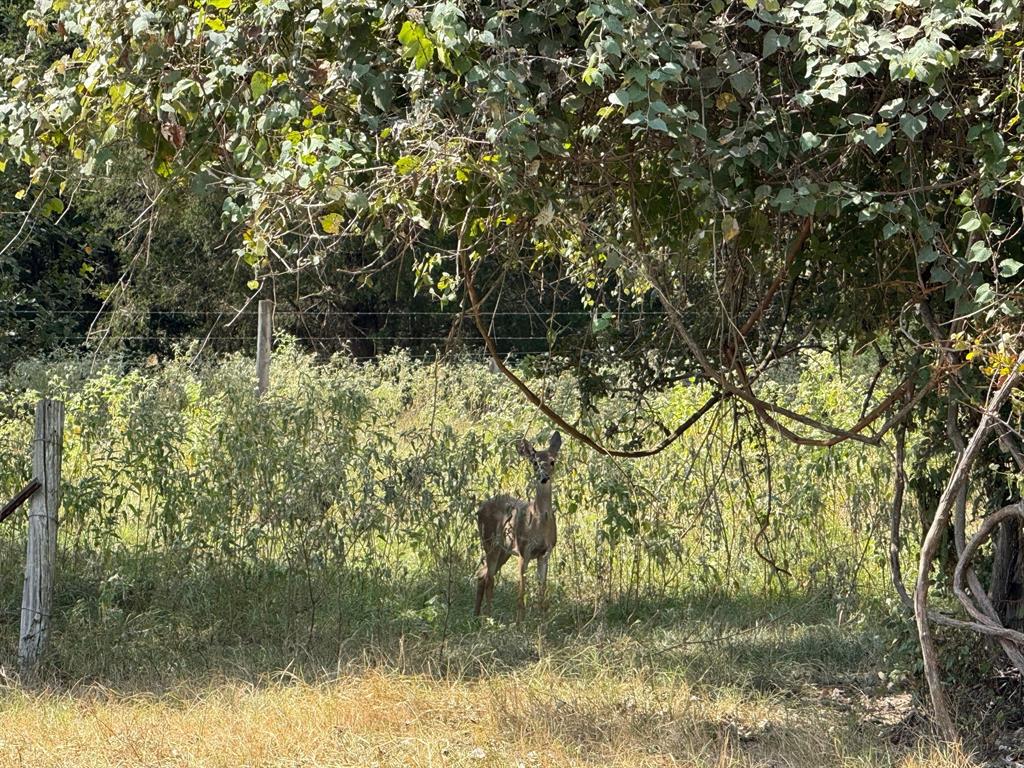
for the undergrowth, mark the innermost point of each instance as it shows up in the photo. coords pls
(230, 555)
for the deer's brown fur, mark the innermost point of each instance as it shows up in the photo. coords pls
(526, 528)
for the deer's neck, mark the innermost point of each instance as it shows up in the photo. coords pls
(542, 499)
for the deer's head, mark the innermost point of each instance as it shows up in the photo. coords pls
(543, 462)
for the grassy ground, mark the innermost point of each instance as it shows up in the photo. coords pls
(704, 683)
(287, 582)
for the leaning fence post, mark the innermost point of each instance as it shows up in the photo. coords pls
(37, 597)
(264, 338)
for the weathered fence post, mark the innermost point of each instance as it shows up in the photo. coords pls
(37, 597)
(264, 337)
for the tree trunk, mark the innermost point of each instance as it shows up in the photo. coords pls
(1007, 590)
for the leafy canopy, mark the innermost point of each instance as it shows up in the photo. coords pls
(677, 146)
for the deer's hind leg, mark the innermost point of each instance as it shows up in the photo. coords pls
(493, 560)
(493, 523)
(502, 557)
(481, 588)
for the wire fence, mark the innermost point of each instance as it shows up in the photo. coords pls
(353, 313)
(529, 331)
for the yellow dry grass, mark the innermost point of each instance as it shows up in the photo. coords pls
(373, 718)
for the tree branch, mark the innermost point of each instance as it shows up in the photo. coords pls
(791, 252)
(957, 479)
(492, 351)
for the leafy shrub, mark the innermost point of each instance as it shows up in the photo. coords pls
(177, 479)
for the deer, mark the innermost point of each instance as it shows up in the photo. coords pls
(523, 527)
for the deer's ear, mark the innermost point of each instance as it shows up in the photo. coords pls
(524, 448)
(555, 444)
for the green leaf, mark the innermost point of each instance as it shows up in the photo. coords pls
(593, 76)
(416, 45)
(1009, 267)
(252, 285)
(331, 223)
(259, 84)
(912, 125)
(620, 98)
(671, 71)
(784, 198)
(892, 108)
(601, 322)
(217, 25)
(877, 137)
(357, 201)
(742, 81)
(407, 164)
(979, 252)
(117, 92)
(219, 3)
(657, 124)
(809, 140)
(970, 221)
(52, 206)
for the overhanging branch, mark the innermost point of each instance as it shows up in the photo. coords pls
(765, 410)
(557, 418)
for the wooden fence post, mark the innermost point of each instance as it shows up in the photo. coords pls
(37, 597)
(264, 338)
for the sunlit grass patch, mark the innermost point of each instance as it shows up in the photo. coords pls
(533, 718)
(722, 688)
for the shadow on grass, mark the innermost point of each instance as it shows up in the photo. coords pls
(690, 676)
(149, 623)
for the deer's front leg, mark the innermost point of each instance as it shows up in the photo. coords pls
(542, 582)
(521, 602)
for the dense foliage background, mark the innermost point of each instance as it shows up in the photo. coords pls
(347, 496)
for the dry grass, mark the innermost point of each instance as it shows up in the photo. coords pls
(716, 684)
(706, 682)
(536, 717)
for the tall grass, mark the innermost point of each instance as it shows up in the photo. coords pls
(195, 515)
